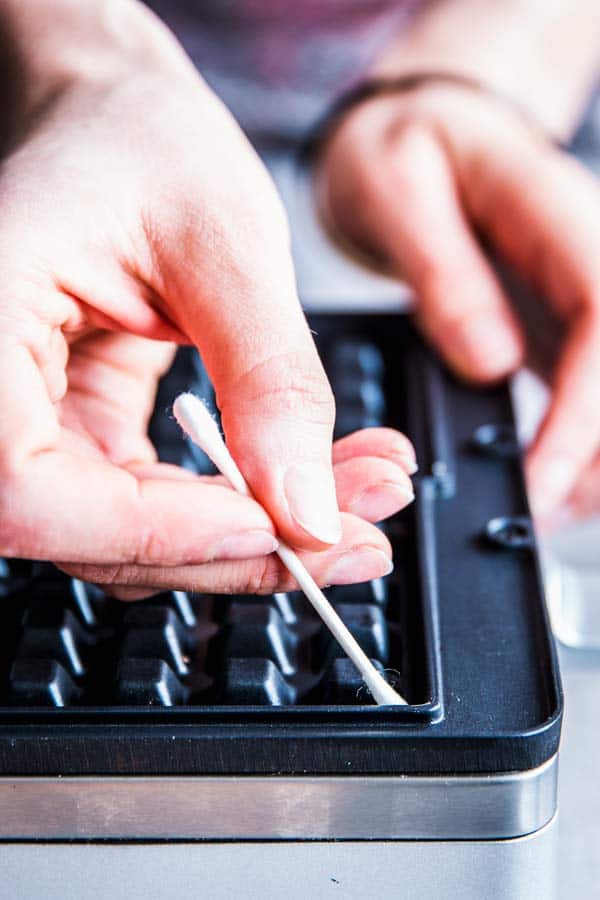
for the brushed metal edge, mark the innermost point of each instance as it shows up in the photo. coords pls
(411, 807)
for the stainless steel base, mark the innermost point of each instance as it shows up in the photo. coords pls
(280, 808)
(521, 869)
(579, 785)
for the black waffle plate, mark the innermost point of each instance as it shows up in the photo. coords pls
(211, 684)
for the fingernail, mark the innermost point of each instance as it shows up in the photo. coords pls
(407, 463)
(490, 347)
(359, 565)
(310, 493)
(551, 482)
(382, 500)
(246, 545)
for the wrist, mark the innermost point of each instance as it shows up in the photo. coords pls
(541, 53)
(57, 43)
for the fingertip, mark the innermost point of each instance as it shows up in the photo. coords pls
(313, 513)
(387, 443)
(483, 348)
(359, 565)
(372, 488)
(550, 479)
(380, 501)
(363, 554)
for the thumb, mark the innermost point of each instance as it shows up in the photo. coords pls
(278, 418)
(242, 311)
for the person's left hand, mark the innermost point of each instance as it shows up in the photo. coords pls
(417, 179)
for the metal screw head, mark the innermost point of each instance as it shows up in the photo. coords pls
(510, 532)
(496, 440)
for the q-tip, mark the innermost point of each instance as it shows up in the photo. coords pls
(197, 422)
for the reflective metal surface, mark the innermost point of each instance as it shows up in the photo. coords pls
(276, 808)
(519, 869)
(579, 785)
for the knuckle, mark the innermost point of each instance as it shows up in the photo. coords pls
(309, 400)
(152, 546)
(258, 578)
(263, 577)
(107, 575)
(270, 577)
(82, 571)
(288, 386)
(150, 542)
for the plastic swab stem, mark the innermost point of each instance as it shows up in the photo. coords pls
(197, 422)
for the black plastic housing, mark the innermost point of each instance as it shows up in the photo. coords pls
(461, 622)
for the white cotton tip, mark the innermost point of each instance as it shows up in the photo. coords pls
(383, 693)
(197, 422)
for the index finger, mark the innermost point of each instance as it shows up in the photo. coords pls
(553, 208)
(570, 433)
(59, 503)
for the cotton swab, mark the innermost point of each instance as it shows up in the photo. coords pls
(197, 422)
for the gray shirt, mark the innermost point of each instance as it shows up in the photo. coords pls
(278, 64)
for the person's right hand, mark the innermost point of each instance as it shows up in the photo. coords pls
(132, 210)
(419, 179)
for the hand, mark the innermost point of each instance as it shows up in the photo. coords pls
(417, 179)
(132, 211)
(371, 476)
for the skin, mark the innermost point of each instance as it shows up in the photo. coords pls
(423, 178)
(134, 214)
